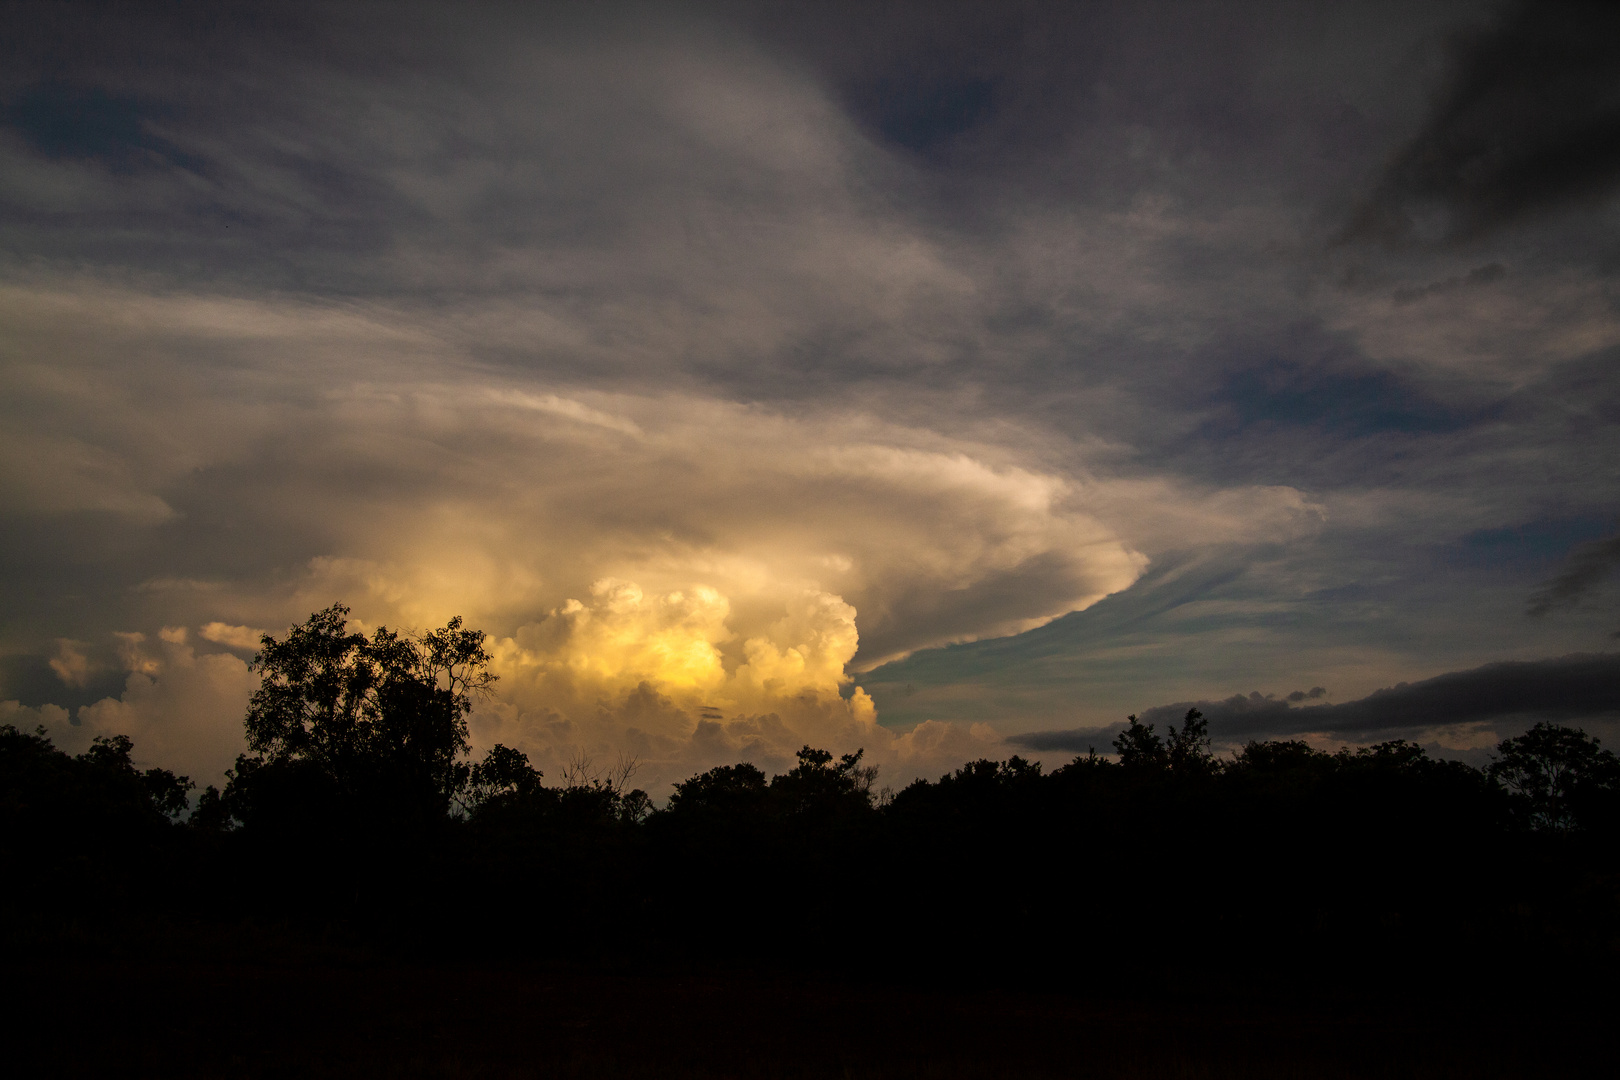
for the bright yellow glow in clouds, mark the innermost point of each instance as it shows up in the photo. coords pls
(672, 641)
(668, 576)
(646, 675)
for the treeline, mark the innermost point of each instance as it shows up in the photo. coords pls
(356, 812)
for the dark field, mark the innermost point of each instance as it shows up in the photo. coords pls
(349, 1016)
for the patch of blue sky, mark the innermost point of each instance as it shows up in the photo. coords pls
(1345, 404)
(1121, 641)
(61, 121)
(1538, 546)
(924, 115)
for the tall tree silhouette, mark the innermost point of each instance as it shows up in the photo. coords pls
(1561, 779)
(359, 728)
(1183, 751)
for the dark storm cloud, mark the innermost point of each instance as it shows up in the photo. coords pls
(1587, 566)
(1530, 121)
(1565, 689)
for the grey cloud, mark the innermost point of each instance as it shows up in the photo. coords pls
(1567, 688)
(1530, 121)
(929, 541)
(1242, 714)
(528, 171)
(1575, 688)
(1586, 567)
(1479, 275)
(506, 154)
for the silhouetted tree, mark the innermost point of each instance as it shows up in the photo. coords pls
(72, 829)
(1186, 751)
(1277, 755)
(358, 807)
(504, 775)
(103, 780)
(348, 727)
(818, 785)
(165, 792)
(1138, 747)
(726, 791)
(1554, 773)
(978, 794)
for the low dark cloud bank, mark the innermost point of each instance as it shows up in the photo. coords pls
(1565, 689)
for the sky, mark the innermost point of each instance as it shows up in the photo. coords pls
(946, 380)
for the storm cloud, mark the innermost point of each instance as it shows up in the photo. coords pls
(1511, 694)
(909, 377)
(1530, 122)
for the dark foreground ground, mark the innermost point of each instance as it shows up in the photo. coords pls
(299, 1012)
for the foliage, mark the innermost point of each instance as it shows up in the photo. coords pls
(77, 830)
(165, 792)
(1185, 751)
(358, 804)
(1560, 777)
(347, 728)
(504, 775)
(34, 773)
(722, 791)
(819, 785)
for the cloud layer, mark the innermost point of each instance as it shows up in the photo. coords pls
(1013, 365)
(1457, 710)
(701, 548)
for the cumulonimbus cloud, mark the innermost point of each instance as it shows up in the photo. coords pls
(635, 556)
(637, 352)
(687, 549)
